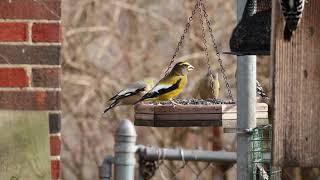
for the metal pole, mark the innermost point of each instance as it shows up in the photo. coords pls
(125, 149)
(246, 111)
(246, 104)
(155, 154)
(105, 170)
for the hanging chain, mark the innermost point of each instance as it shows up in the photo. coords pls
(222, 69)
(200, 5)
(206, 49)
(180, 43)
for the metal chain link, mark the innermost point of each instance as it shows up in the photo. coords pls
(174, 174)
(199, 173)
(222, 69)
(180, 43)
(206, 49)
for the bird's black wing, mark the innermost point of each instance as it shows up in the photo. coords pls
(153, 93)
(127, 94)
(113, 104)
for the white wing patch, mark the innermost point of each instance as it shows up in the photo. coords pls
(126, 91)
(160, 86)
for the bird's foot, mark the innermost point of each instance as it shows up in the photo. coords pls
(156, 103)
(174, 103)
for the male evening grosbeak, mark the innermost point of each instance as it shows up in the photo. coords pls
(171, 85)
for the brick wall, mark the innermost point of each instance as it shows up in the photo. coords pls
(30, 63)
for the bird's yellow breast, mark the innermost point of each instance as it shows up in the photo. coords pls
(174, 93)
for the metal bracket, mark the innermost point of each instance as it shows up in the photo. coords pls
(238, 130)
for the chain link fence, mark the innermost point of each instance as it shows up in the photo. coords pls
(174, 164)
(167, 170)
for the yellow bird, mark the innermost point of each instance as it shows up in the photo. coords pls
(204, 88)
(171, 85)
(132, 93)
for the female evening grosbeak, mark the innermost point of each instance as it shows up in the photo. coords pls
(132, 93)
(171, 85)
(205, 89)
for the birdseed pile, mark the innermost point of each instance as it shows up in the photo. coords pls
(195, 102)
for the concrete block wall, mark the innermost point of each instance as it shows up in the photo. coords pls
(30, 65)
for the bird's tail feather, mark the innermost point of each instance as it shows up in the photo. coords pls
(112, 105)
(114, 97)
(287, 33)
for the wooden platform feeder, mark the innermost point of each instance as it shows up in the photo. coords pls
(194, 115)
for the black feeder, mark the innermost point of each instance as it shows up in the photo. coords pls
(252, 35)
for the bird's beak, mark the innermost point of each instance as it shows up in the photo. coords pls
(190, 68)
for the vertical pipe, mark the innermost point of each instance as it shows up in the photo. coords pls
(246, 108)
(105, 170)
(125, 149)
(246, 104)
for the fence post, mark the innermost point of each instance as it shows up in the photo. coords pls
(246, 104)
(105, 170)
(125, 148)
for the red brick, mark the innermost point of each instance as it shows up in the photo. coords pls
(46, 32)
(55, 169)
(13, 32)
(55, 145)
(46, 77)
(13, 77)
(30, 100)
(30, 9)
(23, 54)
